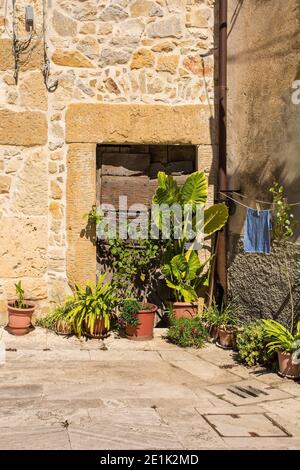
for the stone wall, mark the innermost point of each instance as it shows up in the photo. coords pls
(263, 141)
(105, 53)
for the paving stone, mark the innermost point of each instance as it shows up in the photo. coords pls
(177, 355)
(288, 409)
(237, 425)
(262, 443)
(8, 392)
(117, 436)
(37, 438)
(120, 355)
(237, 397)
(191, 429)
(45, 355)
(206, 372)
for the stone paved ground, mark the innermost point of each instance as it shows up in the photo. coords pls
(62, 393)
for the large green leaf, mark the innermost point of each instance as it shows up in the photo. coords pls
(215, 217)
(195, 190)
(167, 191)
(194, 265)
(179, 266)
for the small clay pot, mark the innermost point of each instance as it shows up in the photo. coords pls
(226, 337)
(19, 319)
(184, 310)
(63, 328)
(286, 366)
(99, 330)
(144, 330)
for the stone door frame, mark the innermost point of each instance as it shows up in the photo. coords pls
(88, 125)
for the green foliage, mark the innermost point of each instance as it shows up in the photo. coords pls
(183, 271)
(284, 223)
(93, 217)
(20, 302)
(252, 344)
(133, 266)
(280, 338)
(187, 332)
(227, 316)
(129, 311)
(90, 303)
(184, 274)
(59, 313)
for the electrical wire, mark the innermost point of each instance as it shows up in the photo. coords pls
(51, 88)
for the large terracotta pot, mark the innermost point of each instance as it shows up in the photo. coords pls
(226, 337)
(19, 319)
(184, 310)
(144, 330)
(99, 330)
(286, 367)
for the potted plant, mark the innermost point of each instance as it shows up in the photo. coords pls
(287, 346)
(184, 274)
(20, 313)
(226, 327)
(57, 320)
(92, 308)
(211, 317)
(137, 319)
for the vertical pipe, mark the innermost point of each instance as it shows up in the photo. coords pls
(222, 134)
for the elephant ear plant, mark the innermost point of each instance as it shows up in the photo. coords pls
(183, 271)
(287, 346)
(92, 308)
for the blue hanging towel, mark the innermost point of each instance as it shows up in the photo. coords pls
(257, 231)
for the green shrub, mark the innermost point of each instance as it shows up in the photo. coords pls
(50, 320)
(251, 343)
(187, 332)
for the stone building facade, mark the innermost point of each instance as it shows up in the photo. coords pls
(263, 145)
(121, 72)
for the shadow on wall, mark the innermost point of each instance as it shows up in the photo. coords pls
(263, 123)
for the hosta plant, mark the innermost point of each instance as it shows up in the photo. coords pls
(91, 303)
(181, 267)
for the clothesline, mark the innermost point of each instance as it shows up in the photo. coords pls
(257, 201)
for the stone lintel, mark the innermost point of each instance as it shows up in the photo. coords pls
(139, 124)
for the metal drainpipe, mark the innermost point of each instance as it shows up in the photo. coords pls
(222, 174)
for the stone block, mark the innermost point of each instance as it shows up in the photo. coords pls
(23, 246)
(23, 128)
(139, 124)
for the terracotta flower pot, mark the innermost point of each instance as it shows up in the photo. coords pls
(184, 310)
(19, 319)
(226, 337)
(144, 330)
(286, 366)
(99, 330)
(214, 332)
(63, 328)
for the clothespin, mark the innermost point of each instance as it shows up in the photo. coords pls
(258, 208)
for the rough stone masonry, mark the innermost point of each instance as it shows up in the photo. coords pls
(114, 52)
